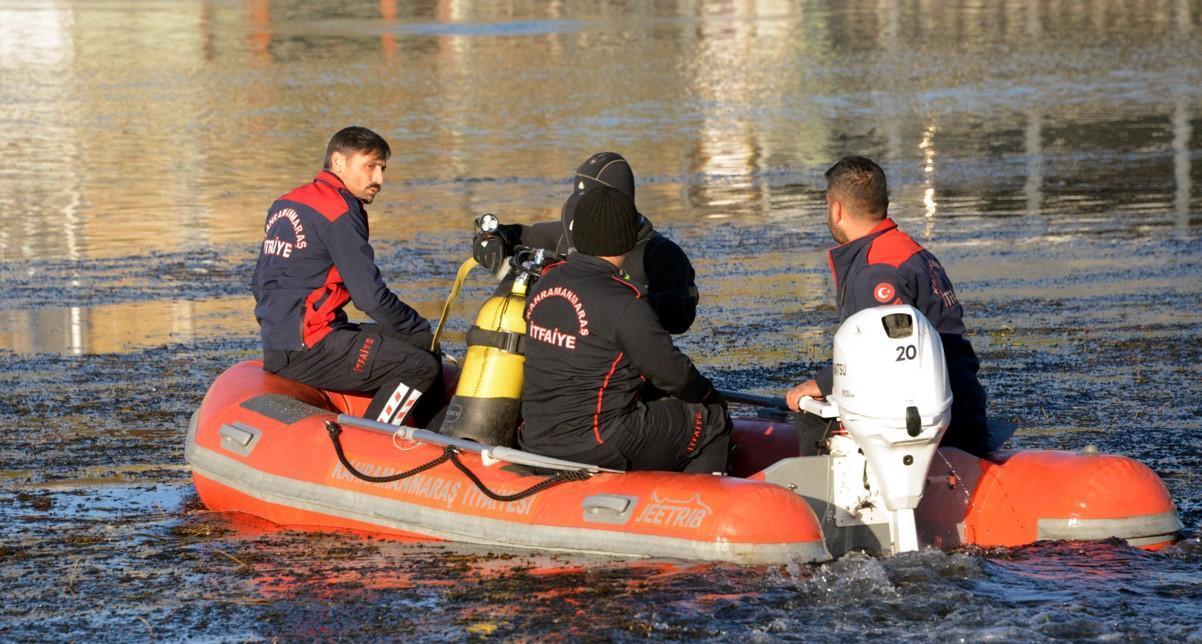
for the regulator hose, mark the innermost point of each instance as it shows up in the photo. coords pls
(449, 454)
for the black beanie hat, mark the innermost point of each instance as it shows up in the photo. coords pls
(606, 223)
(605, 169)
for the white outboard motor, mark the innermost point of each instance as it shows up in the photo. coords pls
(891, 390)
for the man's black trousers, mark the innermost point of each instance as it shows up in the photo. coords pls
(402, 378)
(666, 434)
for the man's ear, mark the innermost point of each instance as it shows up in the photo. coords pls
(836, 211)
(338, 162)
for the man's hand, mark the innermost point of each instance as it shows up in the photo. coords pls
(808, 388)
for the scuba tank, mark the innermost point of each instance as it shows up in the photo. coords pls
(487, 403)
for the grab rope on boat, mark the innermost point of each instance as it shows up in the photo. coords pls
(450, 454)
(551, 481)
(335, 431)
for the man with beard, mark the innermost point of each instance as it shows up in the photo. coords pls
(315, 259)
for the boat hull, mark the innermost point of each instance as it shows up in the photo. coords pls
(258, 444)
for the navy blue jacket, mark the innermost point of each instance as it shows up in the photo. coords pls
(591, 338)
(315, 258)
(886, 266)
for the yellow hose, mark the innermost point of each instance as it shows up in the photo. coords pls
(464, 269)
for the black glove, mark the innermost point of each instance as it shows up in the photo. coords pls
(490, 249)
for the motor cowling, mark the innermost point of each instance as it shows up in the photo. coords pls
(891, 388)
(487, 403)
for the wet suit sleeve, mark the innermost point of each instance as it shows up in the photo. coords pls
(671, 290)
(876, 285)
(356, 263)
(547, 234)
(650, 351)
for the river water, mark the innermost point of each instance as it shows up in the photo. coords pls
(1048, 151)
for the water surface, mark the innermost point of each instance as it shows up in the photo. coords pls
(1049, 152)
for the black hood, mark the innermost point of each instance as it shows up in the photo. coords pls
(602, 169)
(605, 169)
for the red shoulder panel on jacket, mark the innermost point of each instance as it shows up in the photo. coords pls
(552, 265)
(893, 248)
(321, 197)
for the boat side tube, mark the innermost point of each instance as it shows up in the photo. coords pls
(489, 454)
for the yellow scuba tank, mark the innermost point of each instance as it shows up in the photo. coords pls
(487, 403)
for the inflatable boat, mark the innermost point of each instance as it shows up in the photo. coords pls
(298, 456)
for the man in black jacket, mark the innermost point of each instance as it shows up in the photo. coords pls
(592, 338)
(656, 264)
(315, 258)
(877, 264)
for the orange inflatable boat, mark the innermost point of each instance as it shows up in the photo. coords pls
(298, 456)
(261, 445)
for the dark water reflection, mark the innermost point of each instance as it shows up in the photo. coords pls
(1026, 108)
(1049, 151)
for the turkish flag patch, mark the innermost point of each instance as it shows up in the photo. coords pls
(883, 292)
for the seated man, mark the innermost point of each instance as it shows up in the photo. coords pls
(656, 264)
(591, 340)
(878, 264)
(315, 258)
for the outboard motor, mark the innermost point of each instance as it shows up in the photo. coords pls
(892, 393)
